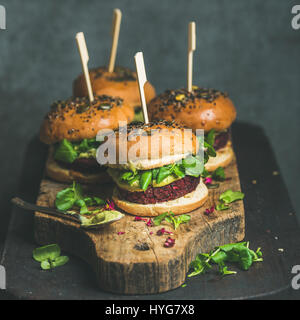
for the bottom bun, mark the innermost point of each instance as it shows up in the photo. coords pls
(187, 203)
(222, 159)
(61, 174)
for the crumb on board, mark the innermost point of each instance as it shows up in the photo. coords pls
(254, 182)
(275, 173)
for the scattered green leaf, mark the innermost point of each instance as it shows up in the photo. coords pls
(219, 174)
(50, 251)
(65, 152)
(230, 196)
(236, 253)
(49, 256)
(159, 219)
(73, 197)
(172, 219)
(221, 206)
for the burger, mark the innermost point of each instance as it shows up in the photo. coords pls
(71, 127)
(122, 82)
(166, 176)
(207, 109)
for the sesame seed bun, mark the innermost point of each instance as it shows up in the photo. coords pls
(223, 158)
(77, 119)
(187, 203)
(121, 83)
(200, 109)
(168, 144)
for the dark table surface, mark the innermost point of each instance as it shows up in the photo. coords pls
(270, 224)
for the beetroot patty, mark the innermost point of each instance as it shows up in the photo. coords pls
(169, 192)
(85, 165)
(221, 140)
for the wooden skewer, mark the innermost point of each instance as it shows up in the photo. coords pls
(84, 56)
(191, 49)
(115, 35)
(142, 79)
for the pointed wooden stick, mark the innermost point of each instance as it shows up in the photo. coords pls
(115, 35)
(191, 49)
(142, 79)
(84, 56)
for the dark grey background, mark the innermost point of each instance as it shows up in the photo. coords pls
(247, 48)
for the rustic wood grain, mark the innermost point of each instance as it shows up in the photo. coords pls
(119, 264)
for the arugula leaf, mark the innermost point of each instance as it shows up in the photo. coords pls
(83, 146)
(163, 173)
(155, 173)
(210, 150)
(230, 196)
(68, 151)
(189, 162)
(134, 179)
(60, 261)
(178, 172)
(219, 257)
(78, 193)
(221, 206)
(46, 264)
(197, 169)
(65, 152)
(256, 256)
(73, 196)
(172, 219)
(51, 251)
(258, 253)
(245, 260)
(219, 174)
(84, 209)
(208, 144)
(127, 175)
(88, 201)
(224, 270)
(49, 256)
(50, 264)
(238, 253)
(205, 173)
(200, 265)
(65, 199)
(159, 219)
(228, 247)
(146, 179)
(80, 203)
(184, 218)
(99, 201)
(227, 197)
(210, 137)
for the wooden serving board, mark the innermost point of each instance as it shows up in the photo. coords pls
(137, 262)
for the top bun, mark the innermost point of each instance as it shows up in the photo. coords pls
(153, 145)
(200, 109)
(77, 119)
(121, 83)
